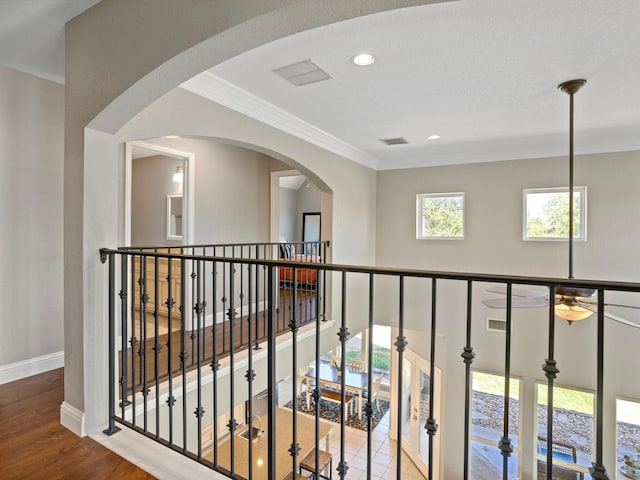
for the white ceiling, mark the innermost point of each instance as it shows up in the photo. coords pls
(32, 34)
(480, 73)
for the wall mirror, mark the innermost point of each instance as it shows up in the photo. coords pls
(310, 229)
(174, 216)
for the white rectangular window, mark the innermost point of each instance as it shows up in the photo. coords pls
(440, 216)
(546, 213)
(628, 437)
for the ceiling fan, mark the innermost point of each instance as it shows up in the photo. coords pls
(571, 304)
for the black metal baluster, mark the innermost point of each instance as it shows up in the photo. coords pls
(369, 406)
(133, 341)
(294, 448)
(597, 469)
(232, 424)
(183, 349)
(241, 296)
(468, 355)
(257, 313)
(224, 306)
(215, 364)
(505, 442)
(124, 296)
(343, 335)
(271, 374)
(171, 400)
(401, 344)
(143, 350)
(192, 335)
(250, 376)
(112, 346)
(431, 426)
(316, 391)
(199, 411)
(551, 370)
(203, 308)
(156, 346)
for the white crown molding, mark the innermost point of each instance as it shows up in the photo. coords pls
(218, 90)
(31, 366)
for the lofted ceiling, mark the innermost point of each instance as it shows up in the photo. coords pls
(481, 74)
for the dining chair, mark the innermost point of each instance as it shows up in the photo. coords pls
(355, 365)
(325, 461)
(303, 380)
(375, 389)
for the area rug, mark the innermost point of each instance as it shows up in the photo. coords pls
(331, 411)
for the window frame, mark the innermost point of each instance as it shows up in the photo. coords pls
(582, 231)
(625, 399)
(420, 216)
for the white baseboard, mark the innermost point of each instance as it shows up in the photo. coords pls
(72, 418)
(32, 366)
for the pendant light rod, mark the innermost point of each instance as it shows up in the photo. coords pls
(570, 87)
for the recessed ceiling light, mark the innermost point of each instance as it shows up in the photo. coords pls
(363, 59)
(434, 137)
(171, 136)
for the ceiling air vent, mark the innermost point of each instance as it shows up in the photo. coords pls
(394, 141)
(302, 73)
(496, 325)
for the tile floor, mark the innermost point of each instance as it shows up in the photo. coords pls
(383, 455)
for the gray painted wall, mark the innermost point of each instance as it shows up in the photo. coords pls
(493, 243)
(287, 218)
(231, 190)
(308, 200)
(292, 204)
(151, 181)
(31, 212)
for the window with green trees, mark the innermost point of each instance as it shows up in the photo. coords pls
(440, 215)
(546, 213)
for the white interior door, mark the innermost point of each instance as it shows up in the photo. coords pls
(416, 391)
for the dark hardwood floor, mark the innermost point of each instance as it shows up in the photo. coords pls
(142, 362)
(33, 444)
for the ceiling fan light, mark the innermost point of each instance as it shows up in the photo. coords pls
(572, 313)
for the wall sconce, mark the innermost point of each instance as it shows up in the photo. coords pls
(178, 175)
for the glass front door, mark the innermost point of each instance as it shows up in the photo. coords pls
(416, 393)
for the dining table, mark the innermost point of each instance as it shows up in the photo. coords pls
(329, 375)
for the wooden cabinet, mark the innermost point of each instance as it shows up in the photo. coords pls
(164, 282)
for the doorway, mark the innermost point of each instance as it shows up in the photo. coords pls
(158, 212)
(169, 176)
(416, 396)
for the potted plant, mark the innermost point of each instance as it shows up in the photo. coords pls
(632, 465)
(337, 367)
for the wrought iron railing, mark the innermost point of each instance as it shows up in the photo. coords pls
(208, 368)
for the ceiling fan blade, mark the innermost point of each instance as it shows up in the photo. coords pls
(519, 292)
(611, 304)
(611, 316)
(517, 302)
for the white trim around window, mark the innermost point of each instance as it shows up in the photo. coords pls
(451, 227)
(537, 205)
